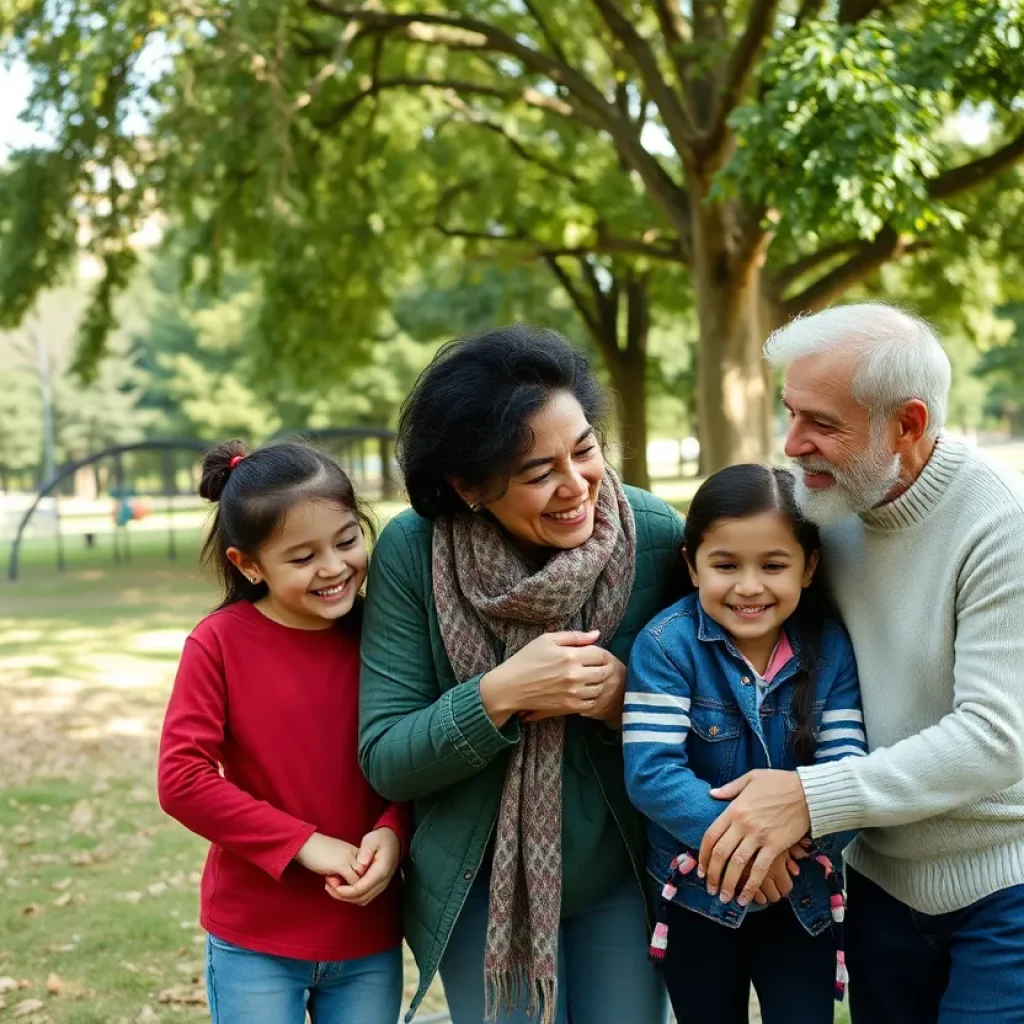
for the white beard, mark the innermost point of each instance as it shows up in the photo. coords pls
(860, 485)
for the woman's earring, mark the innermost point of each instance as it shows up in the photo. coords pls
(252, 578)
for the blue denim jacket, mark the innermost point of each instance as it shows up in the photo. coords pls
(691, 722)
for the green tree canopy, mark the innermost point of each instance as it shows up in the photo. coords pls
(762, 155)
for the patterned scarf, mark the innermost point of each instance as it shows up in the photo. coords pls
(483, 589)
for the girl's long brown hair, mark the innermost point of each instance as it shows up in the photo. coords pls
(751, 490)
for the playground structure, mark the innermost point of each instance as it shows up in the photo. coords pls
(158, 473)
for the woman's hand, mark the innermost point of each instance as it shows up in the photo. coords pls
(608, 708)
(555, 674)
(607, 705)
(379, 855)
(324, 855)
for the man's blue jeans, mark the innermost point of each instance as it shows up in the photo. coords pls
(966, 967)
(256, 988)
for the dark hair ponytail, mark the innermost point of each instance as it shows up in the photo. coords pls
(740, 492)
(254, 491)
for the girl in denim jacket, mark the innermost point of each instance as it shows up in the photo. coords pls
(748, 672)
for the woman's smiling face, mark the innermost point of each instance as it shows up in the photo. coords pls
(553, 488)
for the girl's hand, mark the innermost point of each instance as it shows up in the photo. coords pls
(610, 695)
(324, 855)
(801, 851)
(379, 855)
(555, 674)
(778, 883)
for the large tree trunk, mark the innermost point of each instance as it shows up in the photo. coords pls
(597, 298)
(629, 378)
(630, 369)
(734, 407)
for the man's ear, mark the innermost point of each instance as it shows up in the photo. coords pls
(912, 424)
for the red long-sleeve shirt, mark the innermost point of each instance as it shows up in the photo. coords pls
(277, 709)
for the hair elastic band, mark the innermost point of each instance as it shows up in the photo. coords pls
(235, 460)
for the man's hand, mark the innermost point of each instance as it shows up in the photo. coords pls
(767, 816)
(379, 855)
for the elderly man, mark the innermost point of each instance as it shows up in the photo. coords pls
(924, 544)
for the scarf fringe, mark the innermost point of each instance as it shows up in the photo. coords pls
(504, 991)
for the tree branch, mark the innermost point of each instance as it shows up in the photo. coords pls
(529, 96)
(852, 11)
(622, 247)
(678, 121)
(808, 9)
(480, 119)
(587, 314)
(788, 275)
(316, 83)
(605, 246)
(967, 176)
(546, 32)
(738, 74)
(469, 33)
(868, 258)
(607, 306)
(638, 315)
(673, 26)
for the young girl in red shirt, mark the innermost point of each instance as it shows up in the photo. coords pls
(259, 753)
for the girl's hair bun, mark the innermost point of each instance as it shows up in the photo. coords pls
(217, 466)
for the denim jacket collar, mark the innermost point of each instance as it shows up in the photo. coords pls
(709, 631)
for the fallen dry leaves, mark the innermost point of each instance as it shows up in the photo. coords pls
(27, 1006)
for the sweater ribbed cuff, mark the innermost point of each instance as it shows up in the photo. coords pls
(833, 797)
(470, 728)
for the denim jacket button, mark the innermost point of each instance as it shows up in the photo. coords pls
(807, 901)
(714, 730)
(745, 680)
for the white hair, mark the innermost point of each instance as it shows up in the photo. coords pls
(898, 356)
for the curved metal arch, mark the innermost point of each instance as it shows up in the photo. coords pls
(69, 468)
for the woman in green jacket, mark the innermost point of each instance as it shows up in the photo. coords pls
(499, 618)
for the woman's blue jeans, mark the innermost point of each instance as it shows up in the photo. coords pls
(603, 971)
(245, 987)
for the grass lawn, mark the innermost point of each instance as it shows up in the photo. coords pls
(98, 915)
(98, 912)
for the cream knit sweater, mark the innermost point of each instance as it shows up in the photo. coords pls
(931, 588)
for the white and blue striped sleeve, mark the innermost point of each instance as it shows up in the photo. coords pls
(842, 732)
(655, 726)
(842, 721)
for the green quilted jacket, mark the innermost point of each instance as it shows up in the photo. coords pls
(426, 739)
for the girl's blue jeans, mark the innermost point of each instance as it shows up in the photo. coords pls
(245, 987)
(603, 971)
(709, 968)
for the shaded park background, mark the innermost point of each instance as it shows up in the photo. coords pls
(249, 217)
